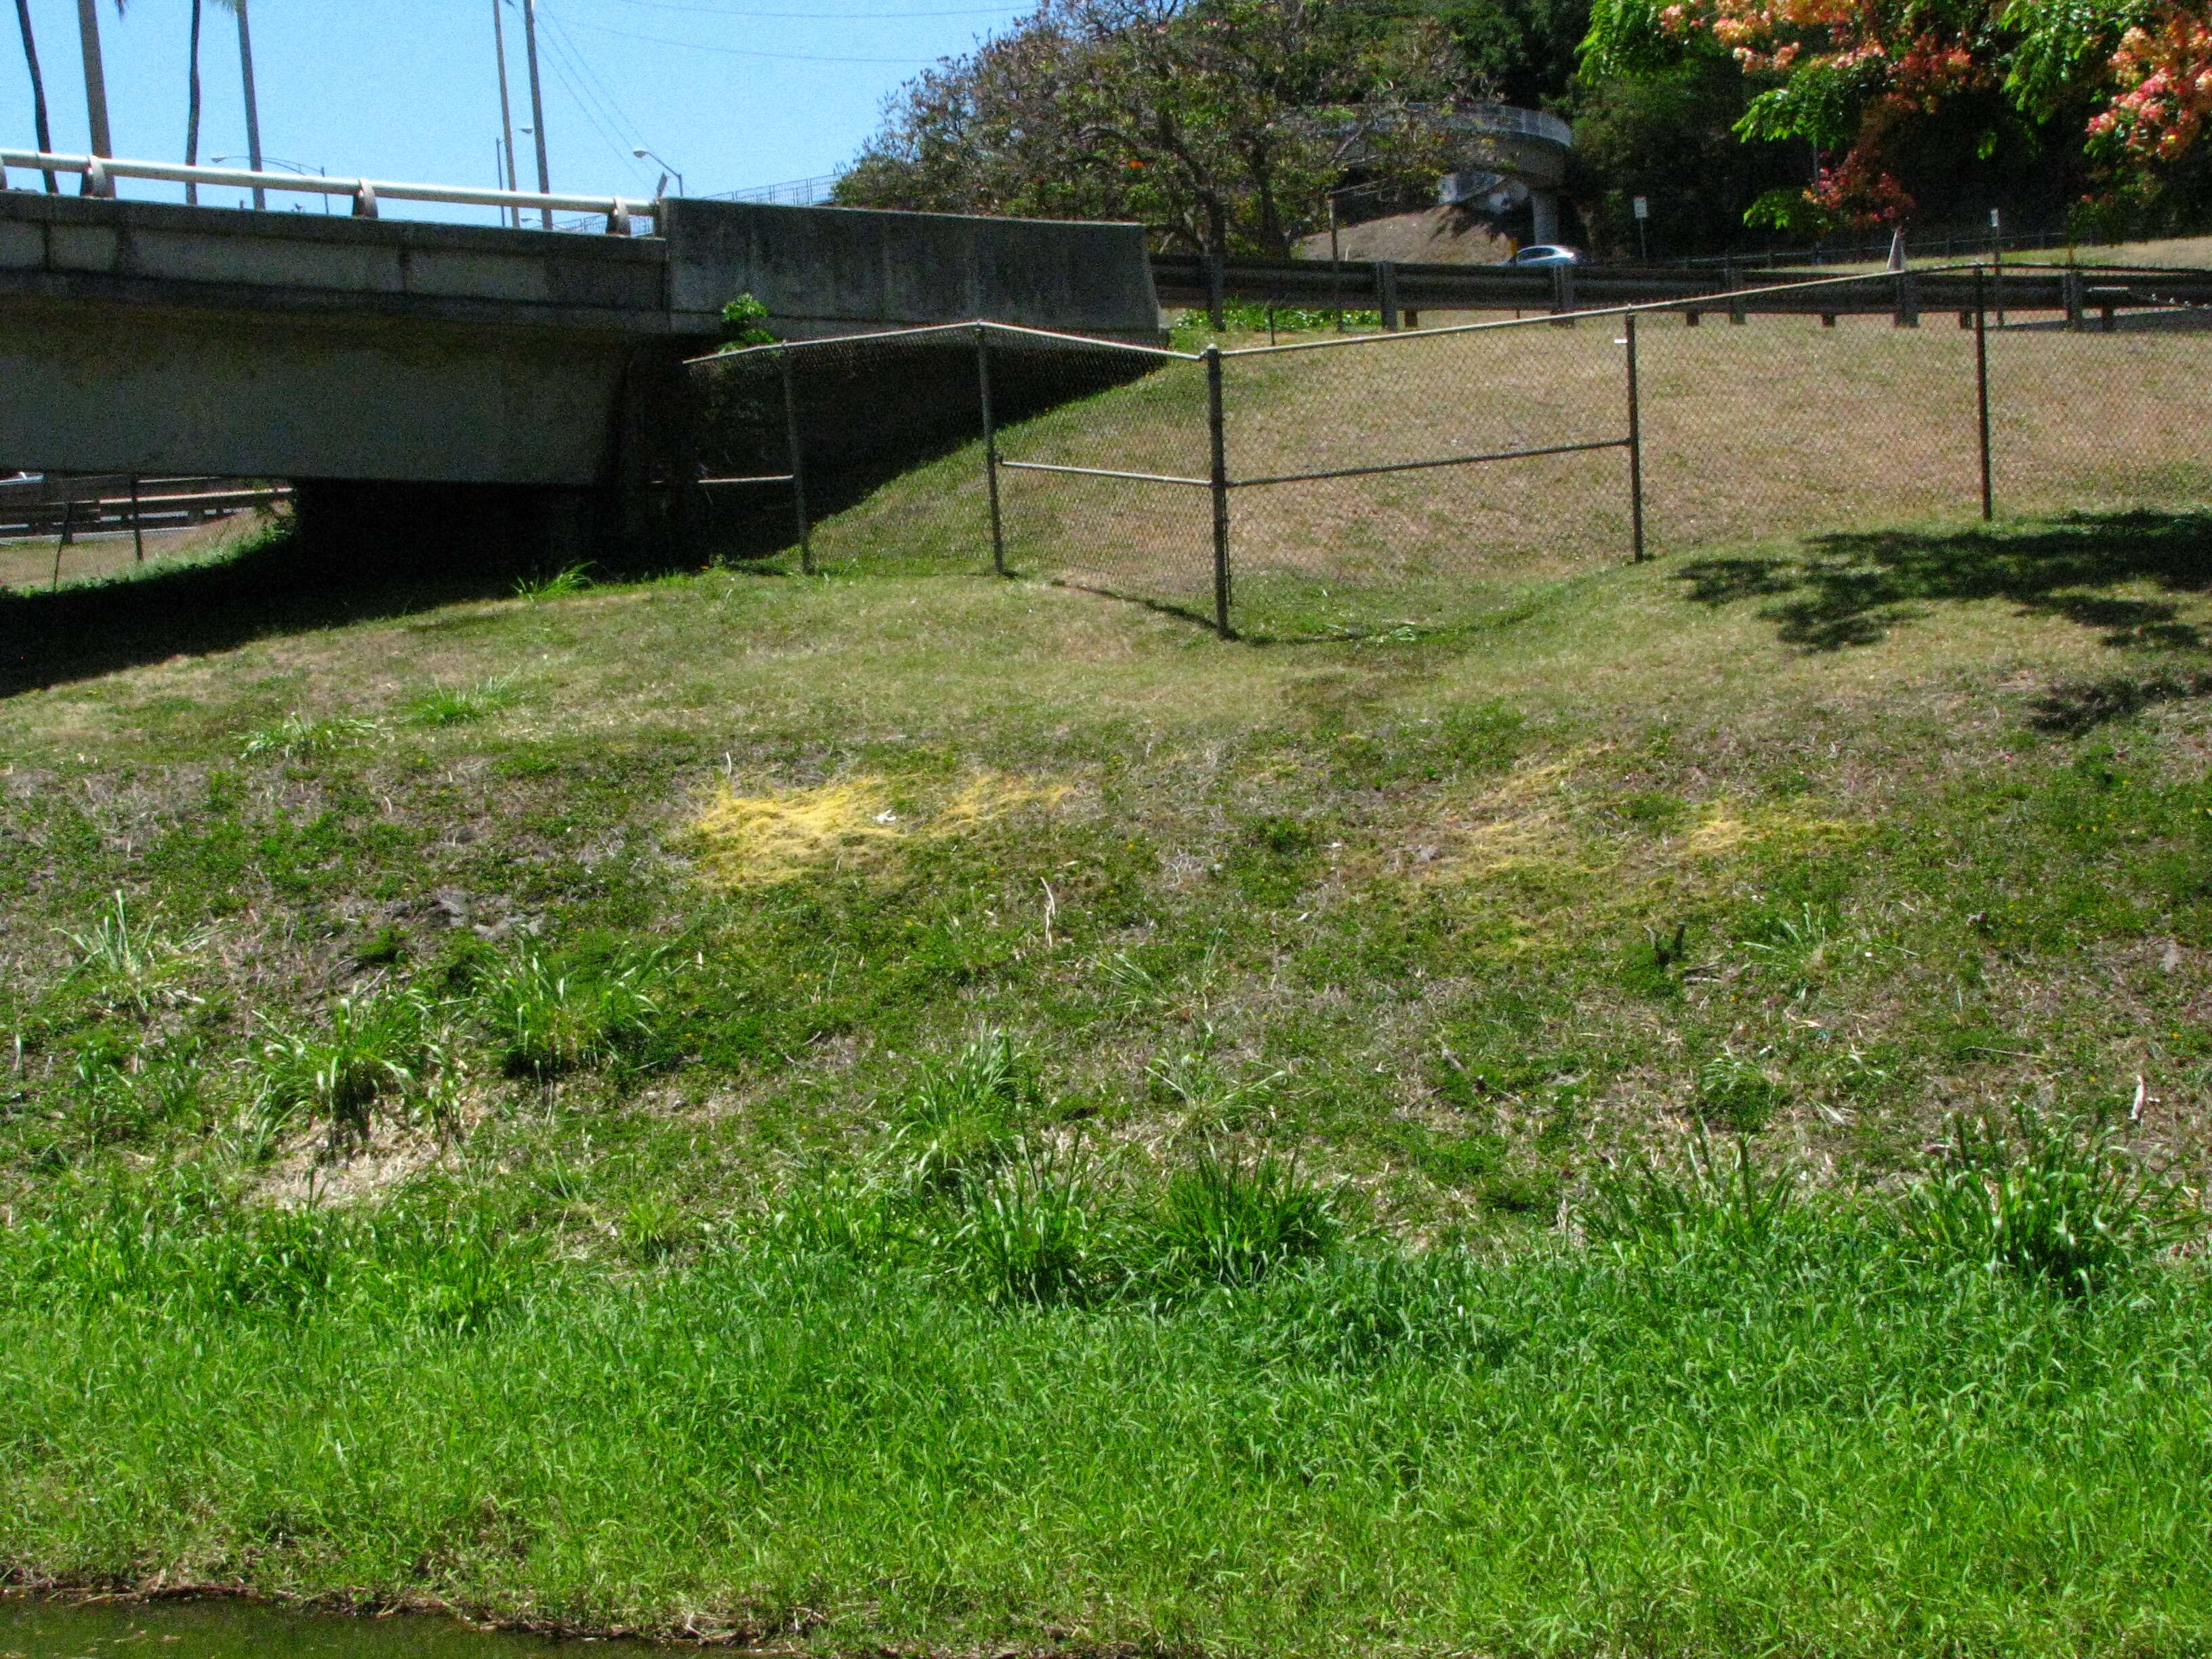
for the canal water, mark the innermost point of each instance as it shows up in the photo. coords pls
(34, 1629)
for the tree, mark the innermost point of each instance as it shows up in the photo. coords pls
(2164, 61)
(1862, 81)
(44, 129)
(1218, 123)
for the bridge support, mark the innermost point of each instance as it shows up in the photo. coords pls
(1544, 208)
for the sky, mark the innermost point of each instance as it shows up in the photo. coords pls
(733, 93)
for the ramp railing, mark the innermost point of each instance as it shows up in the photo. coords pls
(100, 172)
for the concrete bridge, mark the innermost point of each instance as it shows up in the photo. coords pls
(141, 338)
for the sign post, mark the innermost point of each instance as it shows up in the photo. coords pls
(1643, 218)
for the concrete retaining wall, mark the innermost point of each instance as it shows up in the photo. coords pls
(845, 270)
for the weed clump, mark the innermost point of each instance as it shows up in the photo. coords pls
(375, 1052)
(561, 584)
(1226, 1221)
(457, 705)
(297, 738)
(135, 963)
(548, 1017)
(2068, 1209)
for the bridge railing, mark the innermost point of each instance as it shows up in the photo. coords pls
(101, 171)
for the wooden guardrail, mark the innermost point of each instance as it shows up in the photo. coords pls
(71, 504)
(1397, 290)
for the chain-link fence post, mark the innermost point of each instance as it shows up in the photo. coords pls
(990, 446)
(1216, 435)
(1982, 390)
(1635, 446)
(798, 467)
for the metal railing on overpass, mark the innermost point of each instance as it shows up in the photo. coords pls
(100, 173)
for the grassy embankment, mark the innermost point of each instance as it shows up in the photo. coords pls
(907, 1110)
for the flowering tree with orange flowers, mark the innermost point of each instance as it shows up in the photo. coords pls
(1852, 76)
(2163, 67)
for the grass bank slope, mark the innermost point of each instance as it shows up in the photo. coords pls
(904, 1109)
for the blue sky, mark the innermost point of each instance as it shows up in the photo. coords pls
(734, 93)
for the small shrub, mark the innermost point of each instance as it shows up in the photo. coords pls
(135, 964)
(1225, 1221)
(297, 738)
(549, 1018)
(742, 319)
(2066, 1208)
(456, 705)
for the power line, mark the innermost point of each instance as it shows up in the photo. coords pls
(558, 55)
(580, 62)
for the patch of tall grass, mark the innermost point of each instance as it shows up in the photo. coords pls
(1793, 1435)
(457, 705)
(381, 1051)
(133, 961)
(547, 1015)
(2067, 1206)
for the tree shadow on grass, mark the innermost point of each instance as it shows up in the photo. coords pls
(1853, 588)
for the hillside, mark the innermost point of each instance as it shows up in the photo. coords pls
(900, 1110)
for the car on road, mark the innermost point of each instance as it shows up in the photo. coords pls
(1545, 254)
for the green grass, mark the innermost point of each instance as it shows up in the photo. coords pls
(901, 1110)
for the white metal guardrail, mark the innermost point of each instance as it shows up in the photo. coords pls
(100, 172)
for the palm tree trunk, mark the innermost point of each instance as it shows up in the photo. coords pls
(192, 110)
(37, 90)
(95, 78)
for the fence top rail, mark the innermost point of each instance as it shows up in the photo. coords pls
(103, 168)
(969, 328)
(1714, 301)
(1719, 299)
(776, 347)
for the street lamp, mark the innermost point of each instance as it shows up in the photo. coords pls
(647, 155)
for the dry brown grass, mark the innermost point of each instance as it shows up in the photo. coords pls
(30, 563)
(1778, 426)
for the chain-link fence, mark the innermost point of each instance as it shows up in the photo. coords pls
(1332, 484)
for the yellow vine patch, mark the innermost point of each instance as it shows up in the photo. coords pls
(755, 840)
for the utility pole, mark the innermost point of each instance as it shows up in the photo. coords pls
(95, 79)
(537, 105)
(252, 106)
(192, 107)
(38, 89)
(506, 110)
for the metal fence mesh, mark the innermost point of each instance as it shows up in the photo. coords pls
(1365, 483)
(1372, 477)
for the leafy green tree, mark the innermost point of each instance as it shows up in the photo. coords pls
(1219, 124)
(1897, 95)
